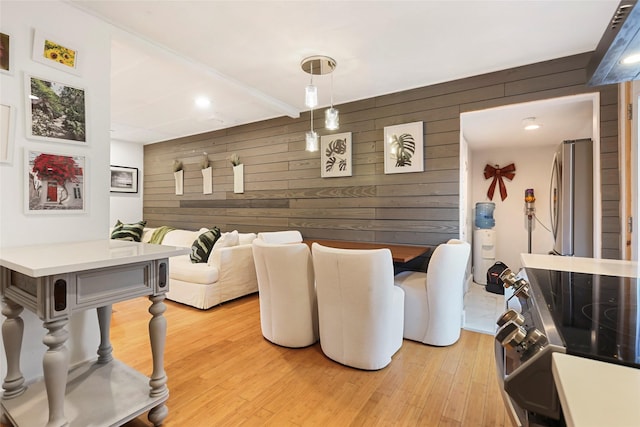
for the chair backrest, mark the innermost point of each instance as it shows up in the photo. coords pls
(446, 273)
(287, 236)
(356, 309)
(288, 308)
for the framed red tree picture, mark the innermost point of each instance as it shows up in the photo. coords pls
(55, 183)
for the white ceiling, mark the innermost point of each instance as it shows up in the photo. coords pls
(245, 55)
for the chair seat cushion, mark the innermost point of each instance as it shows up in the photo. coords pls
(181, 268)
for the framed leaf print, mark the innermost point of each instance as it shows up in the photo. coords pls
(335, 155)
(403, 148)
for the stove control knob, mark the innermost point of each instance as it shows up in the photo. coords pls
(534, 337)
(511, 335)
(508, 315)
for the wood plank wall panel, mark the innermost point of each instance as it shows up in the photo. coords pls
(283, 187)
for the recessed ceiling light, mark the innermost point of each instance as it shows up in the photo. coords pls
(530, 123)
(631, 59)
(202, 102)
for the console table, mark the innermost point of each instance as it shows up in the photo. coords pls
(56, 280)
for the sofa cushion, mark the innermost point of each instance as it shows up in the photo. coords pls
(180, 238)
(181, 268)
(202, 246)
(246, 238)
(280, 237)
(226, 240)
(131, 232)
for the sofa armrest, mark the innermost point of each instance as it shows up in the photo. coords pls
(237, 267)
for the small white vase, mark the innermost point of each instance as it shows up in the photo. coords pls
(207, 184)
(238, 178)
(179, 176)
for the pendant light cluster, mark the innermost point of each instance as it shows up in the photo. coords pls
(318, 65)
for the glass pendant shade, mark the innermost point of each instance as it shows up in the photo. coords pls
(312, 141)
(331, 119)
(311, 96)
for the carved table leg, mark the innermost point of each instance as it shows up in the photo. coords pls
(104, 321)
(157, 335)
(55, 365)
(12, 332)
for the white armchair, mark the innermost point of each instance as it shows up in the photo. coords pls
(288, 308)
(360, 311)
(433, 302)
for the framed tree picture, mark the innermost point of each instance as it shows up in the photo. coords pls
(55, 52)
(55, 111)
(55, 183)
(335, 152)
(124, 179)
(403, 148)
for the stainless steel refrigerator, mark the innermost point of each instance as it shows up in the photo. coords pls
(571, 194)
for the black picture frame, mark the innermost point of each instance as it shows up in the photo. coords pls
(123, 179)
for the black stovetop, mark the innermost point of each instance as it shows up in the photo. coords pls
(596, 315)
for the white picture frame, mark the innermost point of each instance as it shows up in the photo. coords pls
(55, 111)
(55, 52)
(404, 148)
(46, 195)
(7, 133)
(335, 155)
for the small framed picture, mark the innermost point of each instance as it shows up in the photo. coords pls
(335, 154)
(124, 179)
(55, 53)
(7, 129)
(55, 183)
(6, 54)
(55, 111)
(403, 148)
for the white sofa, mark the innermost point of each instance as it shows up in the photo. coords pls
(229, 273)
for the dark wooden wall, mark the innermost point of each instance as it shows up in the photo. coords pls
(284, 190)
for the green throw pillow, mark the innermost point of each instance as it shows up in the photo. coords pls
(132, 232)
(203, 245)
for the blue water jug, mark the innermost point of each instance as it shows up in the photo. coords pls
(484, 215)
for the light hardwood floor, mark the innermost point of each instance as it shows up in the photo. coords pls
(223, 372)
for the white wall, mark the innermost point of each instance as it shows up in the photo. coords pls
(91, 38)
(127, 207)
(533, 170)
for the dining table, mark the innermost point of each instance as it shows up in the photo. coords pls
(400, 253)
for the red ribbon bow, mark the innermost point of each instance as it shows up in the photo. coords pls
(497, 174)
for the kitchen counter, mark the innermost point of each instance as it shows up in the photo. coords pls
(610, 267)
(609, 395)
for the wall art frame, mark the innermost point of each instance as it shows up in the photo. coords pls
(55, 183)
(7, 133)
(335, 155)
(55, 111)
(404, 148)
(124, 179)
(6, 53)
(55, 52)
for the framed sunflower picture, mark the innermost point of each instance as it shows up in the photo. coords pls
(55, 53)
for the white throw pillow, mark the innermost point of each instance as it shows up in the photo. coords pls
(246, 238)
(228, 239)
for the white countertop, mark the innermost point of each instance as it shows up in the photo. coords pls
(59, 258)
(597, 394)
(593, 393)
(609, 267)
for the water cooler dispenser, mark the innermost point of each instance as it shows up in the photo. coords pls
(484, 241)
